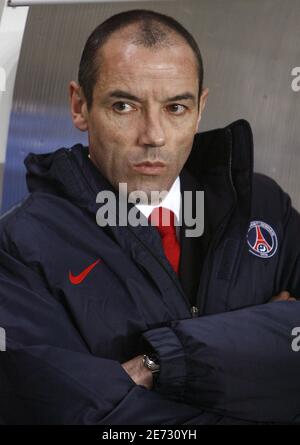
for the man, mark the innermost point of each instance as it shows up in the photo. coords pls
(108, 324)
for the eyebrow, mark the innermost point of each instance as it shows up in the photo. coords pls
(119, 94)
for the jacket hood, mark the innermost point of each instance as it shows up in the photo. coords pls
(221, 159)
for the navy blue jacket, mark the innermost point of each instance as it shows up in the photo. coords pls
(233, 363)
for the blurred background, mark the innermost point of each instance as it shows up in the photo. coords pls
(249, 47)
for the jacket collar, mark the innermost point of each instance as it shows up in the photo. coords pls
(221, 160)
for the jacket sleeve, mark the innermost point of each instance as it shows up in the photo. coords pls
(240, 363)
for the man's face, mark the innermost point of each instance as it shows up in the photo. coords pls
(144, 114)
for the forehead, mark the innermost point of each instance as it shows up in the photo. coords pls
(123, 63)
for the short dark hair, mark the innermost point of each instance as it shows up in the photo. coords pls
(153, 32)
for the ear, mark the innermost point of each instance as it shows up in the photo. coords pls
(78, 106)
(202, 104)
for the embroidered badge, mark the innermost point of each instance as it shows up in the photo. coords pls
(262, 239)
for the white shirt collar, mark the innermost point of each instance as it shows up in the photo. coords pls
(172, 201)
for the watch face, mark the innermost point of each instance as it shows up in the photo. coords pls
(151, 362)
(154, 358)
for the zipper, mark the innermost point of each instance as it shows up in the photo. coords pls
(194, 311)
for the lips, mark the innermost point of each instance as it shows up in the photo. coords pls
(150, 168)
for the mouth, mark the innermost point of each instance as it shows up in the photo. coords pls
(150, 168)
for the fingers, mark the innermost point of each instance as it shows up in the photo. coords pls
(283, 296)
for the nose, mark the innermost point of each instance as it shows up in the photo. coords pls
(151, 132)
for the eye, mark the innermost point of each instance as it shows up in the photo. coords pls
(122, 107)
(177, 108)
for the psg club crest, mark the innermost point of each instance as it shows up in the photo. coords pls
(262, 240)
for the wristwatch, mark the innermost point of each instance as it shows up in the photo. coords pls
(151, 362)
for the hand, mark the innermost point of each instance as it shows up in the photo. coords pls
(138, 372)
(283, 296)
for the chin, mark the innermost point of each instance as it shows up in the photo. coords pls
(152, 186)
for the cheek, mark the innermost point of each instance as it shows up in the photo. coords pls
(119, 124)
(184, 130)
(184, 143)
(114, 132)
